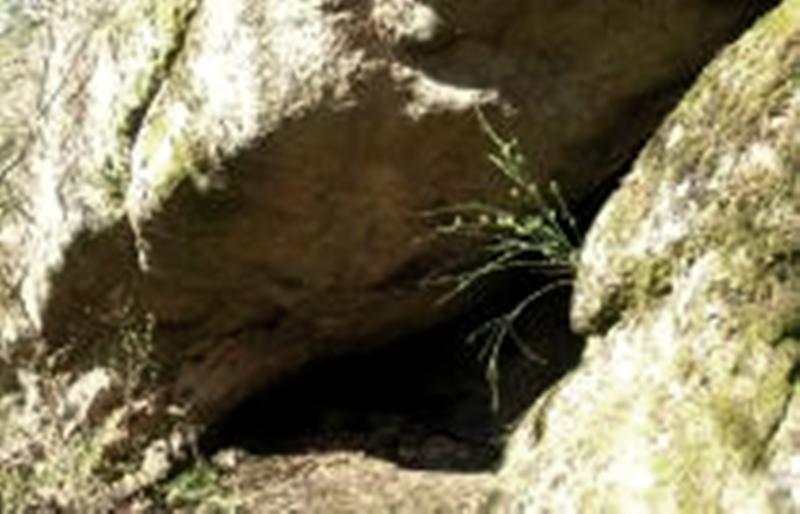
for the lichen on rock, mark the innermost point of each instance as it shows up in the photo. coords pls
(689, 293)
(252, 175)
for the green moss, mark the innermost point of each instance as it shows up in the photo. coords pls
(679, 473)
(755, 273)
(726, 104)
(724, 170)
(151, 59)
(652, 279)
(724, 428)
(782, 21)
(168, 23)
(729, 442)
(737, 433)
(201, 487)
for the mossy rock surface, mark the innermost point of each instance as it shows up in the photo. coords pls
(688, 399)
(253, 174)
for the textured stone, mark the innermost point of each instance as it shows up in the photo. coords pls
(689, 293)
(253, 174)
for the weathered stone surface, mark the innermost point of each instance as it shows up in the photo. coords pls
(253, 173)
(347, 483)
(689, 291)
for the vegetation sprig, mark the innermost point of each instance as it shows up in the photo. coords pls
(537, 236)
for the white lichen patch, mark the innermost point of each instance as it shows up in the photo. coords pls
(762, 157)
(431, 96)
(53, 236)
(225, 72)
(668, 223)
(406, 21)
(675, 136)
(302, 44)
(156, 154)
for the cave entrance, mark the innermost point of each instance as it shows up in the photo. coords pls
(422, 403)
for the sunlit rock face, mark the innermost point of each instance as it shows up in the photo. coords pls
(688, 398)
(253, 174)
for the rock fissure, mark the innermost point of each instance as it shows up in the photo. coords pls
(136, 115)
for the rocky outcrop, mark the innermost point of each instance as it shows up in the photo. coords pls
(252, 174)
(689, 293)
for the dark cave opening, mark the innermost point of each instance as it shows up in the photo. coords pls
(421, 403)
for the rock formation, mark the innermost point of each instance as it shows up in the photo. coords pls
(689, 294)
(205, 196)
(258, 170)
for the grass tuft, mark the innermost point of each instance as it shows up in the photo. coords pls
(537, 235)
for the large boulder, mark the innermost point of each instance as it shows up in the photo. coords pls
(249, 177)
(688, 397)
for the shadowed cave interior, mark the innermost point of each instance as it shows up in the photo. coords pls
(422, 403)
